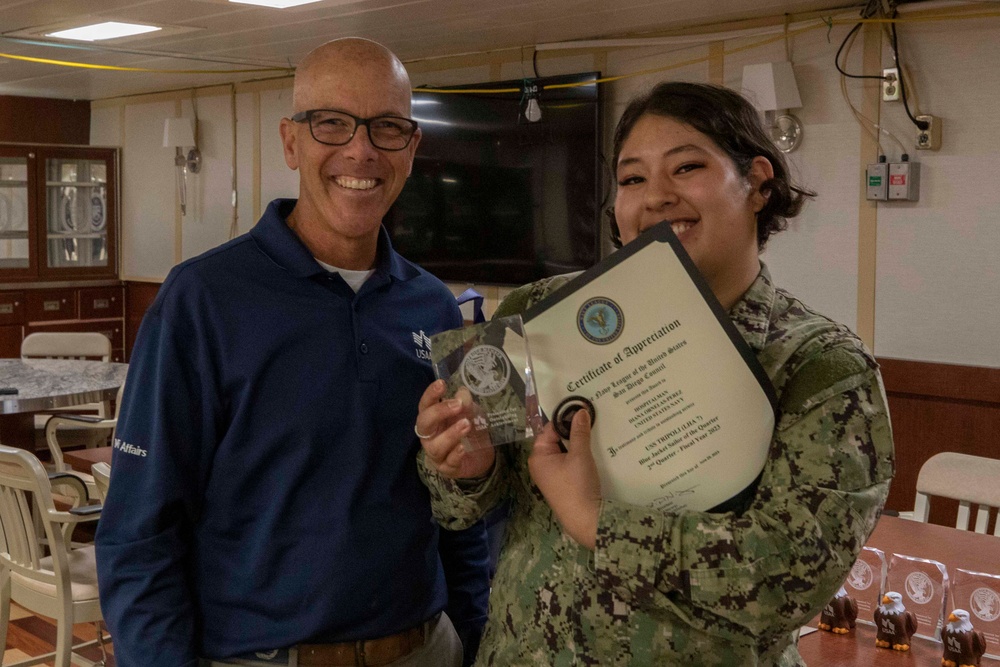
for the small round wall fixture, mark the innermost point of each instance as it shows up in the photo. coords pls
(786, 133)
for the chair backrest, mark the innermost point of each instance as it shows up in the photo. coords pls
(102, 478)
(24, 485)
(66, 345)
(971, 480)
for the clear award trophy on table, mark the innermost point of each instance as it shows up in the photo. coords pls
(866, 583)
(979, 594)
(487, 366)
(924, 585)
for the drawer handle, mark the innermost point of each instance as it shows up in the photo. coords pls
(6, 308)
(101, 303)
(49, 306)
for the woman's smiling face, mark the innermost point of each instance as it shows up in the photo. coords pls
(667, 170)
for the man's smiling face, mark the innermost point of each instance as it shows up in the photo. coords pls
(345, 191)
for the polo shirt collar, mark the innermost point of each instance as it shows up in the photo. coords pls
(751, 315)
(276, 240)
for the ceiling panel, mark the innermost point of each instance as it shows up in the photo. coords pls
(232, 36)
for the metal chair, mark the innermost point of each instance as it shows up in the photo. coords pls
(62, 585)
(55, 425)
(66, 345)
(971, 480)
(102, 479)
(69, 345)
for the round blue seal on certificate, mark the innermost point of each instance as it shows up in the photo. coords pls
(600, 320)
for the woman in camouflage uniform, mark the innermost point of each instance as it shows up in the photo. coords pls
(589, 581)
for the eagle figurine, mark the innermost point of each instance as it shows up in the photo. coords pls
(894, 625)
(963, 645)
(840, 614)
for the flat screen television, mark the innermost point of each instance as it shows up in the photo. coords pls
(494, 198)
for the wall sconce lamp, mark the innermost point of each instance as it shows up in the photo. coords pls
(179, 133)
(772, 89)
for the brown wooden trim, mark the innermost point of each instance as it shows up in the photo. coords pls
(938, 408)
(948, 381)
(138, 297)
(44, 120)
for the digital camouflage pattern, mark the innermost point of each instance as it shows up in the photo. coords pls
(698, 588)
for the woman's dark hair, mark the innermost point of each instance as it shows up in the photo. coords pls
(729, 120)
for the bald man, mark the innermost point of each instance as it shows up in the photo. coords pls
(265, 507)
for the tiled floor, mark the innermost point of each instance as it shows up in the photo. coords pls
(30, 635)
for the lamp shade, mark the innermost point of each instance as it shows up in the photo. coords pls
(771, 86)
(178, 132)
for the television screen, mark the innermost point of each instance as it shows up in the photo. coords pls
(496, 198)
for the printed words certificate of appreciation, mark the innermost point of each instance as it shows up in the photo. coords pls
(684, 412)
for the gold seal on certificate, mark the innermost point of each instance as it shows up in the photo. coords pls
(683, 413)
(488, 367)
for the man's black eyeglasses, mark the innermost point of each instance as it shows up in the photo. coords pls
(336, 128)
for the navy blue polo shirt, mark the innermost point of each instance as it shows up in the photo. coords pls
(265, 484)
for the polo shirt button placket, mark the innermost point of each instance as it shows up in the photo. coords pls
(364, 348)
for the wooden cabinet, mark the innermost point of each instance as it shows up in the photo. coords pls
(74, 307)
(58, 243)
(58, 213)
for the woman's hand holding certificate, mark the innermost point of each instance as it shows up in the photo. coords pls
(569, 479)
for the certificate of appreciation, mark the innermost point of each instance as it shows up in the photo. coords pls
(683, 411)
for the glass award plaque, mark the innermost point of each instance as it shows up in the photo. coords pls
(866, 583)
(979, 594)
(488, 367)
(923, 584)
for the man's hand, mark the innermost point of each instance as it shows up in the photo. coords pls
(569, 480)
(445, 423)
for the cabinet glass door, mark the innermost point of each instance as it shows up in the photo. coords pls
(76, 191)
(14, 247)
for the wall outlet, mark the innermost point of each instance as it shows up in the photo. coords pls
(890, 84)
(929, 139)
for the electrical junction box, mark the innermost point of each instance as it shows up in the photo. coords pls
(929, 139)
(890, 84)
(877, 181)
(904, 180)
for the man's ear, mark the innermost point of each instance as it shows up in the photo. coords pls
(289, 137)
(760, 171)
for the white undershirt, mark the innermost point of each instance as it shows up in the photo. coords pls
(353, 278)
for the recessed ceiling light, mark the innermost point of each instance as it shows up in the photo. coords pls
(106, 30)
(277, 4)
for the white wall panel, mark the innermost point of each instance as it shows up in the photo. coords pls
(148, 193)
(816, 258)
(938, 285)
(451, 77)
(105, 126)
(209, 210)
(547, 66)
(276, 179)
(246, 129)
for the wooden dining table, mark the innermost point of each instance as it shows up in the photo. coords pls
(46, 384)
(955, 548)
(81, 459)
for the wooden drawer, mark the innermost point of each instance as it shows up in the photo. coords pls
(100, 303)
(10, 341)
(12, 308)
(111, 328)
(51, 304)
